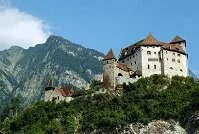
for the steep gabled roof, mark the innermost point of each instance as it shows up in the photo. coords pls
(177, 39)
(150, 40)
(172, 47)
(110, 55)
(129, 50)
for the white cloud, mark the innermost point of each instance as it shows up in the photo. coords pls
(20, 28)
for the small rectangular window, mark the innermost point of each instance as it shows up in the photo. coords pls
(123, 61)
(155, 53)
(178, 55)
(131, 64)
(173, 53)
(154, 66)
(178, 61)
(135, 62)
(173, 60)
(148, 66)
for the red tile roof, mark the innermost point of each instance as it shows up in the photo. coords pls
(110, 55)
(150, 40)
(68, 91)
(123, 67)
(177, 39)
(172, 47)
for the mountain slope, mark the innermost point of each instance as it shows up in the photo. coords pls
(191, 74)
(25, 72)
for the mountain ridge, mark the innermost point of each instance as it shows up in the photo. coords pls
(24, 72)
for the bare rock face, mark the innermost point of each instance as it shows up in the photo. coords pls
(191, 122)
(154, 127)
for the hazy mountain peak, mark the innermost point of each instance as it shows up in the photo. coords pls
(15, 48)
(53, 39)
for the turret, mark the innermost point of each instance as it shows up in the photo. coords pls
(49, 85)
(179, 41)
(49, 91)
(108, 67)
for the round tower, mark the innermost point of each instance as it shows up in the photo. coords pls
(49, 91)
(108, 70)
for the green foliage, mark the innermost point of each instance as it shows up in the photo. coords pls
(156, 97)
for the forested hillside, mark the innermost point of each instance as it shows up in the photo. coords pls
(153, 98)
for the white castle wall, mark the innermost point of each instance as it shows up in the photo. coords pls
(150, 57)
(175, 63)
(54, 94)
(134, 61)
(121, 80)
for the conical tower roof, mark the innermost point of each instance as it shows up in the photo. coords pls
(150, 40)
(177, 39)
(110, 55)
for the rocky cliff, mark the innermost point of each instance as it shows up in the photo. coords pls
(24, 72)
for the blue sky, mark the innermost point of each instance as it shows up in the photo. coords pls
(105, 24)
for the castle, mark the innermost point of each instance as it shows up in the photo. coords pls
(141, 59)
(145, 58)
(66, 93)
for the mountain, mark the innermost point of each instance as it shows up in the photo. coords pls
(25, 72)
(192, 74)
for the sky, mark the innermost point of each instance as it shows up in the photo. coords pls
(100, 24)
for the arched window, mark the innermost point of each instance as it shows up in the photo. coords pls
(120, 74)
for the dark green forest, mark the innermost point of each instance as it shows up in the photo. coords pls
(151, 98)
